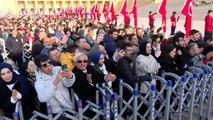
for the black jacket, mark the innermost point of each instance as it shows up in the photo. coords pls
(82, 88)
(14, 45)
(5, 103)
(125, 72)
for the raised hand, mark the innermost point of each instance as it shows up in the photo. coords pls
(14, 94)
(110, 77)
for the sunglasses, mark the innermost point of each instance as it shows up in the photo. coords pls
(82, 61)
(46, 64)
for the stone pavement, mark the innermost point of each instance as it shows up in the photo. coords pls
(199, 14)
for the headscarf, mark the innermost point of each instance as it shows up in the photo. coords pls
(95, 56)
(6, 65)
(142, 48)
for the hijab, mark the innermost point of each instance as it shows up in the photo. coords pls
(95, 56)
(6, 65)
(142, 48)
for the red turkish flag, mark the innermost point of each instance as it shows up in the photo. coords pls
(163, 10)
(135, 13)
(96, 12)
(123, 9)
(105, 11)
(112, 11)
(187, 11)
(92, 16)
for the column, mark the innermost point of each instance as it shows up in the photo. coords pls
(36, 6)
(63, 5)
(26, 5)
(54, 5)
(45, 6)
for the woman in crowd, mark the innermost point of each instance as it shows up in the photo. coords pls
(146, 64)
(98, 65)
(13, 88)
(168, 60)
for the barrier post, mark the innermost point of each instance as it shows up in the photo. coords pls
(135, 103)
(182, 81)
(193, 95)
(49, 112)
(152, 102)
(210, 96)
(115, 98)
(80, 111)
(15, 116)
(107, 106)
(121, 94)
(168, 95)
(205, 73)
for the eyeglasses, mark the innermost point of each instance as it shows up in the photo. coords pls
(46, 64)
(82, 61)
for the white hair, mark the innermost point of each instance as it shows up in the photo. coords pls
(77, 55)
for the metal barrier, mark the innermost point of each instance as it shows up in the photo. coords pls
(136, 102)
(207, 87)
(177, 95)
(162, 98)
(101, 108)
(68, 113)
(181, 93)
(189, 96)
(27, 51)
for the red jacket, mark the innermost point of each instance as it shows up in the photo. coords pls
(208, 23)
(127, 19)
(174, 20)
(151, 18)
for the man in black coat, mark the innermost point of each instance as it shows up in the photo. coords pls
(86, 79)
(124, 68)
(14, 45)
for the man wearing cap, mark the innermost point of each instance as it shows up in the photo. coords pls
(209, 24)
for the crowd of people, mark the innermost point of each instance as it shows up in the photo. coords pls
(68, 52)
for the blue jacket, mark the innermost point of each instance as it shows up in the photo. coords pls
(109, 45)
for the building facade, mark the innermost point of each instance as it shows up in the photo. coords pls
(15, 6)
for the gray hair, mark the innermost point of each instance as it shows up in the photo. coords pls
(77, 55)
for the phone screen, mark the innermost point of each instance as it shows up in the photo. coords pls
(64, 67)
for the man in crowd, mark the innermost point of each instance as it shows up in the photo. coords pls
(47, 43)
(194, 36)
(209, 25)
(109, 42)
(51, 84)
(174, 21)
(14, 45)
(151, 19)
(54, 55)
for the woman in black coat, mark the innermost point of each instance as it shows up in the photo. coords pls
(168, 60)
(13, 88)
